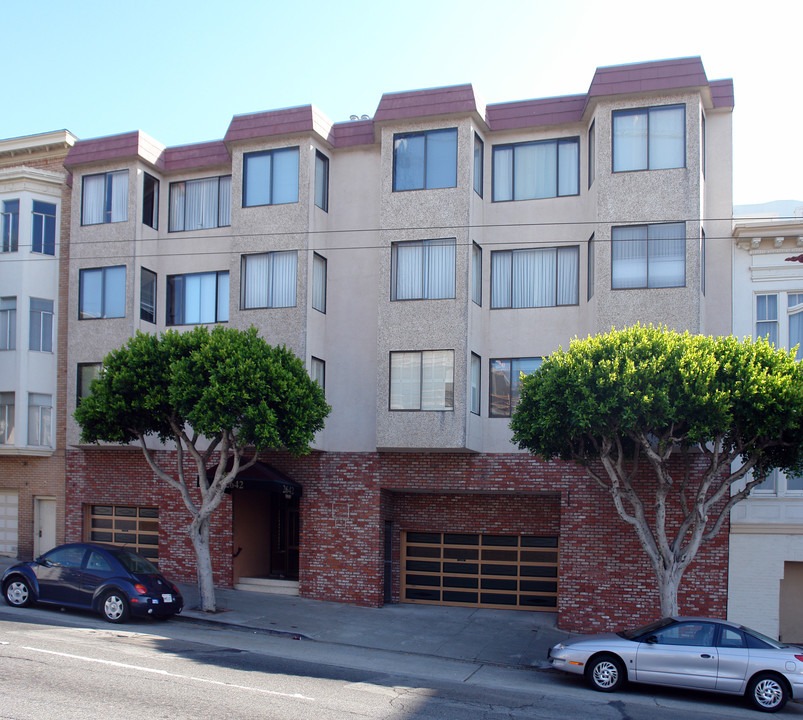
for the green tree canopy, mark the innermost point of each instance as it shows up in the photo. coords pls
(620, 401)
(224, 391)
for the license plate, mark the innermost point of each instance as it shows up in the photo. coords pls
(167, 597)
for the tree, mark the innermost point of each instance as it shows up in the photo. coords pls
(211, 393)
(667, 424)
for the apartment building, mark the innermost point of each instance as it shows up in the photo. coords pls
(418, 261)
(34, 247)
(766, 542)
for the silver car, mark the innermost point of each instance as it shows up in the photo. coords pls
(689, 652)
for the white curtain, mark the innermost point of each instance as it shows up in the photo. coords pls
(545, 170)
(525, 171)
(629, 141)
(177, 194)
(503, 174)
(255, 282)
(628, 257)
(533, 278)
(440, 264)
(501, 278)
(569, 168)
(93, 204)
(201, 204)
(319, 283)
(283, 279)
(119, 196)
(437, 380)
(224, 202)
(405, 380)
(666, 255)
(409, 275)
(667, 137)
(222, 297)
(568, 276)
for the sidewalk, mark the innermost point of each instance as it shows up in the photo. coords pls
(509, 638)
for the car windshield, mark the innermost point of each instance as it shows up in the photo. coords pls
(645, 629)
(772, 643)
(135, 564)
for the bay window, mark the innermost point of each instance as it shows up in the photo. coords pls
(505, 383)
(105, 198)
(43, 235)
(269, 280)
(200, 204)
(101, 293)
(6, 418)
(8, 323)
(425, 160)
(648, 256)
(540, 277)
(423, 270)
(422, 380)
(534, 170)
(11, 226)
(40, 410)
(198, 298)
(40, 335)
(649, 138)
(270, 177)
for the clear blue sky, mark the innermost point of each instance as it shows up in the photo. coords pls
(180, 70)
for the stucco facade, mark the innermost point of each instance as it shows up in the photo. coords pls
(427, 170)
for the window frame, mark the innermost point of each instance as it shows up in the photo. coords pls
(150, 200)
(426, 135)
(8, 323)
(271, 179)
(424, 269)
(244, 287)
(591, 271)
(45, 244)
(172, 312)
(511, 385)
(81, 286)
(472, 386)
(557, 142)
(44, 420)
(479, 164)
(37, 324)
(476, 274)
(647, 111)
(447, 391)
(7, 417)
(80, 391)
(108, 197)
(319, 278)
(10, 228)
(496, 254)
(221, 206)
(647, 239)
(317, 371)
(143, 308)
(321, 181)
(592, 153)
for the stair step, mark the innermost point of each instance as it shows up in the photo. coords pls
(269, 586)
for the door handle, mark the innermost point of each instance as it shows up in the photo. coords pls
(705, 655)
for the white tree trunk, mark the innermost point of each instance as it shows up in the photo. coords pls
(668, 584)
(199, 534)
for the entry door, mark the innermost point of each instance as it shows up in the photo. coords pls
(791, 618)
(44, 525)
(9, 514)
(285, 535)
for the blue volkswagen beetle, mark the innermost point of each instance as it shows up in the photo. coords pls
(112, 581)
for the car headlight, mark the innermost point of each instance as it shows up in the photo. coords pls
(559, 646)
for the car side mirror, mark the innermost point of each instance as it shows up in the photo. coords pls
(652, 640)
(44, 561)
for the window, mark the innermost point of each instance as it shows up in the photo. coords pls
(476, 274)
(529, 171)
(270, 177)
(542, 277)
(505, 383)
(702, 261)
(691, 634)
(8, 323)
(147, 295)
(41, 326)
(475, 389)
(269, 280)
(105, 198)
(649, 139)
(6, 418)
(317, 371)
(648, 256)
(40, 408)
(479, 154)
(422, 380)
(767, 317)
(101, 293)
(795, 312)
(319, 282)
(425, 160)
(43, 237)
(591, 263)
(87, 372)
(150, 201)
(200, 204)
(11, 225)
(198, 298)
(321, 181)
(422, 269)
(592, 153)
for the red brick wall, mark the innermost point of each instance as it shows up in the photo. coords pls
(605, 579)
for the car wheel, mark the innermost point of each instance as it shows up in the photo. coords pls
(17, 592)
(114, 607)
(767, 692)
(606, 673)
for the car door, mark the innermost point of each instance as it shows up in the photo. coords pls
(59, 575)
(96, 570)
(734, 658)
(682, 654)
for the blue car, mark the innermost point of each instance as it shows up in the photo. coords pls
(112, 581)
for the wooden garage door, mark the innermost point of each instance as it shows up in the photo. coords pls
(132, 527)
(474, 570)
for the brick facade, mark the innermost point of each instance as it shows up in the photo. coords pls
(605, 579)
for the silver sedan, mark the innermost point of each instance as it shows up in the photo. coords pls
(688, 652)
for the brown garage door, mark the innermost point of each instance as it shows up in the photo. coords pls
(474, 570)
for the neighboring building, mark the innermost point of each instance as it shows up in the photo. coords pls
(35, 207)
(766, 542)
(418, 262)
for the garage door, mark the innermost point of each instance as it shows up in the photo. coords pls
(9, 522)
(132, 527)
(474, 570)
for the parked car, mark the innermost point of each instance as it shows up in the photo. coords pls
(689, 652)
(112, 581)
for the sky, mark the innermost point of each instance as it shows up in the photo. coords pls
(179, 70)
